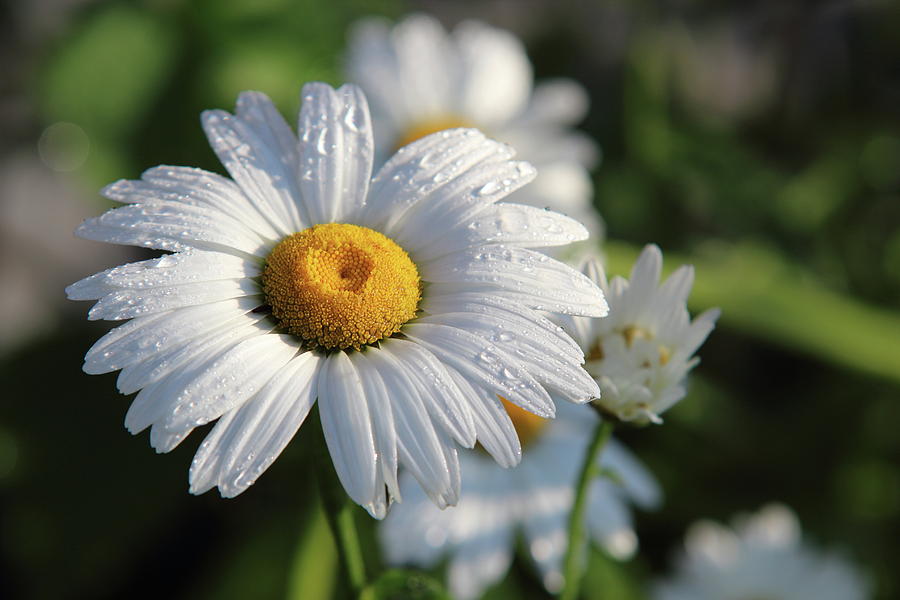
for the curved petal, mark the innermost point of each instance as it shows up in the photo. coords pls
(172, 269)
(126, 304)
(484, 364)
(144, 337)
(493, 427)
(382, 415)
(336, 151)
(195, 187)
(256, 167)
(229, 380)
(424, 451)
(422, 169)
(536, 279)
(507, 223)
(168, 375)
(172, 226)
(247, 440)
(442, 397)
(496, 73)
(555, 370)
(347, 424)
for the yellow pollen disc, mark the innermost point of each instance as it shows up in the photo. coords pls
(528, 425)
(340, 286)
(429, 126)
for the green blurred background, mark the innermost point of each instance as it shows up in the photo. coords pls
(759, 141)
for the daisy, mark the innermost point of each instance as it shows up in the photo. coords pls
(763, 556)
(536, 497)
(420, 79)
(641, 354)
(403, 303)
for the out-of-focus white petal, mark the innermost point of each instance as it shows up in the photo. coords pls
(496, 73)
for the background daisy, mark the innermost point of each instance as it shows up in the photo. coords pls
(762, 556)
(300, 282)
(419, 79)
(534, 500)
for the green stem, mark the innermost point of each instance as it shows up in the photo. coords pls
(572, 567)
(339, 510)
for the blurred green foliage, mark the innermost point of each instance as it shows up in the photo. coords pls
(786, 199)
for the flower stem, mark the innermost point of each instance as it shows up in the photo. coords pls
(339, 510)
(573, 565)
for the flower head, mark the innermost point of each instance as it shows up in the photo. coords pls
(641, 353)
(535, 498)
(763, 556)
(420, 79)
(403, 304)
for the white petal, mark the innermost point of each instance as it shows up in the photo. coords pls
(173, 226)
(440, 394)
(424, 168)
(171, 269)
(143, 337)
(230, 380)
(497, 73)
(546, 530)
(456, 203)
(556, 102)
(539, 327)
(247, 440)
(424, 451)
(256, 167)
(336, 151)
(165, 375)
(516, 339)
(483, 558)
(484, 364)
(536, 279)
(195, 187)
(414, 61)
(165, 441)
(636, 480)
(508, 223)
(126, 304)
(255, 109)
(493, 427)
(347, 425)
(382, 420)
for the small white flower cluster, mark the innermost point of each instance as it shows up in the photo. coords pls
(641, 353)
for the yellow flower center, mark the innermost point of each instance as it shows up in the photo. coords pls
(340, 286)
(429, 126)
(528, 425)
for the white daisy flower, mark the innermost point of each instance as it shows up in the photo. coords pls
(536, 497)
(389, 299)
(641, 353)
(420, 79)
(763, 556)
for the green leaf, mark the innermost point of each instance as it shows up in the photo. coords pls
(315, 561)
(401, 584)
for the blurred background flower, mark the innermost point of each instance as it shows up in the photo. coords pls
(763, 556)
(759, 142)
